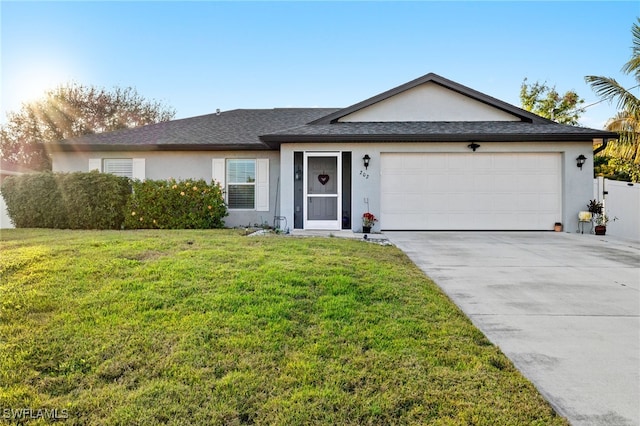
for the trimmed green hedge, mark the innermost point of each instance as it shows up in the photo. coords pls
(188, 204)
(66, 200)
(103, 201)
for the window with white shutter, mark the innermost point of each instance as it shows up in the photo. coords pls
(133, 168)
(241, 184)
(118, 166)
(245, 182)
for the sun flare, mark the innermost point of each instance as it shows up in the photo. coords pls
(34, 84)
(30, 82)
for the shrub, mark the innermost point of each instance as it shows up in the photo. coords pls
(66, 200)
(188, 204)
(34, 201)
(94, 200)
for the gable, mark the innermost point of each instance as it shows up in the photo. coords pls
(428, 102)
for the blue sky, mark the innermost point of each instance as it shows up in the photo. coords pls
(198, 56)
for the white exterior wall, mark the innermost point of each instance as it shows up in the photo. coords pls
(5, 220)
(429, 102)
(577, 184)
(184, 165)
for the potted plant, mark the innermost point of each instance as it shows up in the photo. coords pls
(601, 221)
(368, 220)
(595, 207)
(599, 217)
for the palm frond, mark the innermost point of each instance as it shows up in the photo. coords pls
(623, 122)
(633, 66)
(609, 89)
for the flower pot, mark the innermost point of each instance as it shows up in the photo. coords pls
(557, 227)
(366, 229)
(600, 229)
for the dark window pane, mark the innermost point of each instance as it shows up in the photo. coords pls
(241, 196)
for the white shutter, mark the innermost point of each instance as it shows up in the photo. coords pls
(95, 164)
(218, 171)
(139, 168)
(262, 184)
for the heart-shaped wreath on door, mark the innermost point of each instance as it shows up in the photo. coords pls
(323, 179)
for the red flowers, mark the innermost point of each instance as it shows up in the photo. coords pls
(368, 219)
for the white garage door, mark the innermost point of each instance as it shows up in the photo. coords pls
(474, 191)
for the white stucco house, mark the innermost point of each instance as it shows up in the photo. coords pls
(439, 156)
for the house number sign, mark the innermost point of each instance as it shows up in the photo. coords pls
(364, 174)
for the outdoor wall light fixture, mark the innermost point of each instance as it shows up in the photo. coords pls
(473, 146)
(580, 160)
(366, 160)
(298, 174)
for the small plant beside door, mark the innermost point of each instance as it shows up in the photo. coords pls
(368, 220)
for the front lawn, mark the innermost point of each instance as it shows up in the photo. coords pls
(210, 327)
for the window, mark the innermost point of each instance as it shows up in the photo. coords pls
(246, 182)
(118, 166)
(133, 168)
(241, 184)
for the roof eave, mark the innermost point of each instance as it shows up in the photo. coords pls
(275, 140)
(156, 147)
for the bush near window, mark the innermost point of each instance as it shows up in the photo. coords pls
(66, 200)
(188, 204)
(34, 201)
(94, 200)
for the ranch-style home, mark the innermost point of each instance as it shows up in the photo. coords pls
(430, 154)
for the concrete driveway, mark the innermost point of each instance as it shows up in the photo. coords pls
(563, 307)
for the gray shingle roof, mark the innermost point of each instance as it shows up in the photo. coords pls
(530, 127)
(435, 131)
(232, 130)
(260, 129)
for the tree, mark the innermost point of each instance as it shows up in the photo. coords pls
(547, 102)
(72, 110)
(625, 152)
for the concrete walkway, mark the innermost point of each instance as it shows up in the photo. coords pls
(565, 308)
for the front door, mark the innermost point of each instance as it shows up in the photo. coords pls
(322, 190)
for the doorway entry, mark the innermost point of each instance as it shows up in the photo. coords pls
(322, 190)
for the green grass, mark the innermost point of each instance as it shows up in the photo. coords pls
(210, 327)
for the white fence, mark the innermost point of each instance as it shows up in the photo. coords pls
(621, 200)
(5, 222)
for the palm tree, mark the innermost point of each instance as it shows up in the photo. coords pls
(627, 121)
(627, 147)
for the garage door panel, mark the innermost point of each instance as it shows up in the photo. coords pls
(504, 162)
(475, 191)
(546, 181)
(435, 183)
(430, 163)
(526, 202)
(482, 181)
(550, 203)
(483, 162)
(528, 185)
(434, 201)
(502, 202)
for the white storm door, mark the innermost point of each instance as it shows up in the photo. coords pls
(322, 195)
